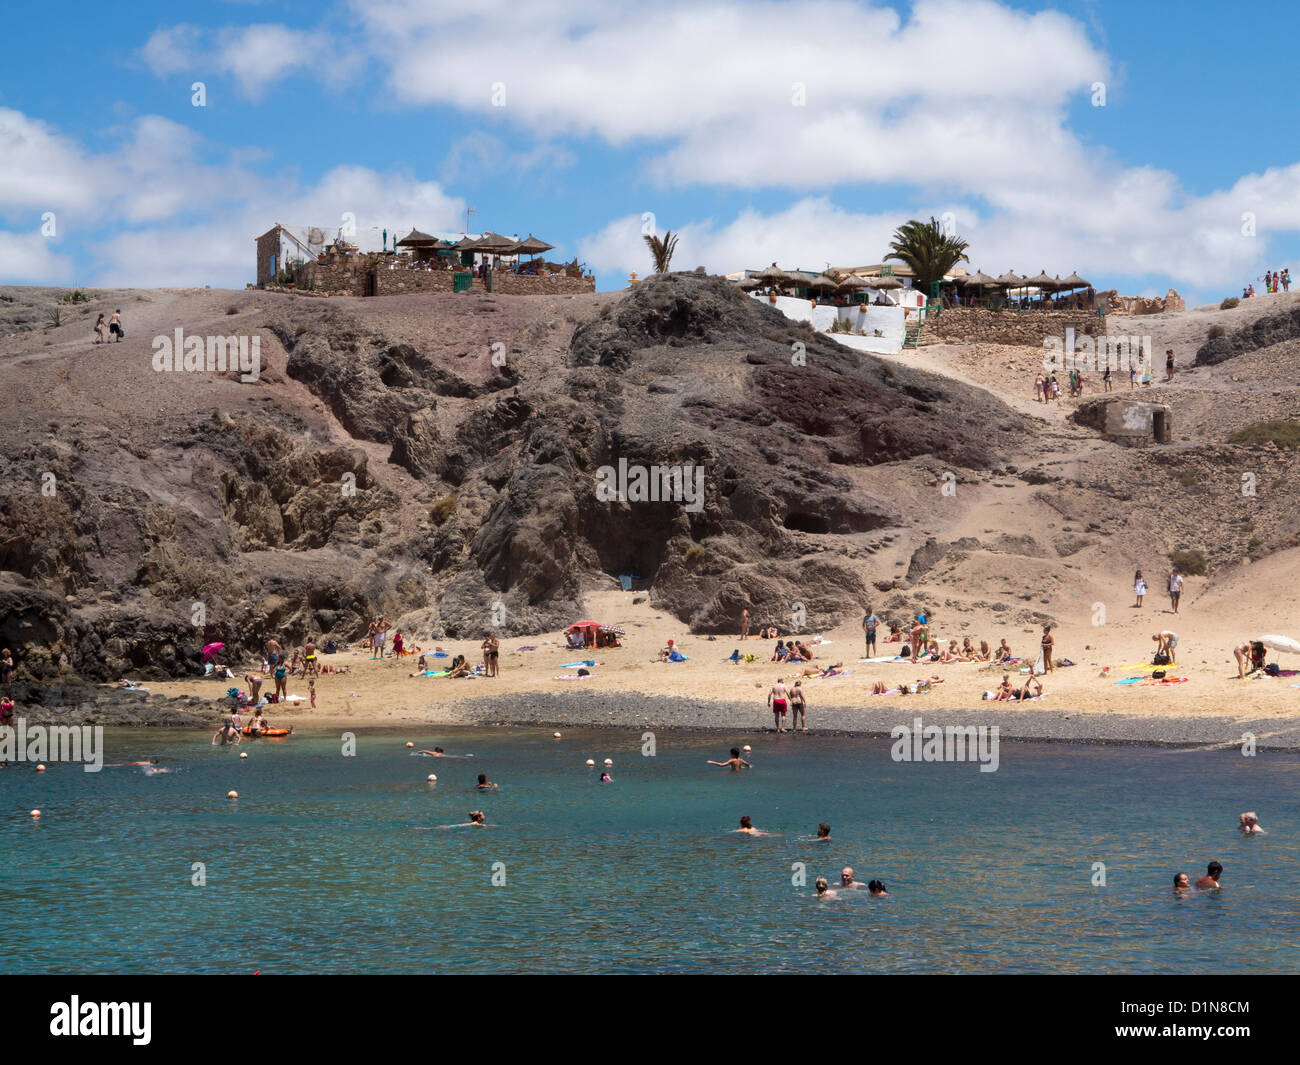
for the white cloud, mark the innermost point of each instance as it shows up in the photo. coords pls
(254, 56)
(31, 259)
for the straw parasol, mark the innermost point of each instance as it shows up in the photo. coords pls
(1010, 280)
(532, 246)
(1074, 281)
(772, 274)
(822, 281)
(979, 279)
(1042, 281)
(885, 281)
(416, 239)
(749, 283)
(491, 244)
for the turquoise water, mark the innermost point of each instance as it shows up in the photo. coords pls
(324, 864)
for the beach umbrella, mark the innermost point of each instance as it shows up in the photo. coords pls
(1011, 280)
(822, 281)
(532, 246)
(772, 273)
(210, 651)
(583, 625)
(748, 283)
(979, 279)
(1281, 643)
(884, 282)
(850, 283)
(1074, 281)
(416, 239)
(1042, 281)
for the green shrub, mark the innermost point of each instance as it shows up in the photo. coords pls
(1190, 561)
(1277, 431)
(55, 317)
(442, 509)
(1215, 331)
(1229, 303)
(75, 296)
(696, 553)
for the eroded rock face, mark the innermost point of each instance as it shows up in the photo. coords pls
(1261, 333)
(461, 504)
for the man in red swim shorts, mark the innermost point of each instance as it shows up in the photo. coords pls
(778, 699)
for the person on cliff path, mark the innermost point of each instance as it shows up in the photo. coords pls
(115, 325)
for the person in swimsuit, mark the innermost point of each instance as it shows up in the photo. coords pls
(1047, 643)
(798, 707)
(258, 725)
(99, 330)
(254, 681)
(747, 828)
(6, 711)
(1182, 884)
(115, 325)
(1004, 689)
(735, 762)
(1210, 881)
(491, 654)
(1167, 644)
(1175, 589)
(309, 658)
(744, 624)
(777, 698)
(459, 667)
(1004, 651)
(824, 889)
(823, 832)
(1249, 825)
(273, 652)
(281, 681)
(484, 784)
(382, 626)
(1251, 651)
(228, 733)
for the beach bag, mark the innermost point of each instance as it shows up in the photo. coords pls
(1158, 674)
(1272, 669)
(584, 672)
(1161, 659)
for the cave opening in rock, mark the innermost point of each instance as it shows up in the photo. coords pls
(809, 523)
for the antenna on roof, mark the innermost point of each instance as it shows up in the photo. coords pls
(469, 211)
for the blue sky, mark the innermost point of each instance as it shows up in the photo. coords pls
(802, 132)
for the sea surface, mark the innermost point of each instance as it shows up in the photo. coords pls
(330, 863)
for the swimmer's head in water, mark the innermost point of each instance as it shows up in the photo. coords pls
(735, 753)
(1249, 818)
(1181, 880)
(1214, 869)
(824, 830)
(477, 816)
(482, 778)
(746, 822)
(876, 887)
(821, 885)
(437, 750)
(846, 875)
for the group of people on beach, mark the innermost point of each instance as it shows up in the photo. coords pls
(1174, 585)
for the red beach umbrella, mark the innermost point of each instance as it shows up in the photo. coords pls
(210, 651)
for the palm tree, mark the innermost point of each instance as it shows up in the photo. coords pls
(929, 251)
(661, 250)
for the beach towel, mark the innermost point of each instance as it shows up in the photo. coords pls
(575, 665)
(841, 673)
(892, 691)
(886, 658)
(1169, 680)
(434, 673)
(1130, 680)
(574, 676)
(676, 656)
(525, 648)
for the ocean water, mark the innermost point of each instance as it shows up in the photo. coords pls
(333, 864)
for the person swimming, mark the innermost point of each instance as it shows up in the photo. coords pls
(747, 828)
(1210, 881)
(735, 762)
(824, 889)
(228, 733)
(476, 820)
(484, 784)
(1249, 825)
(846, 878)
(1182, 884)
(876, 888)
(824, 832)
(605, 778)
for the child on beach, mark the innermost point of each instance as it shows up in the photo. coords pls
(311, 689)
(1139, 587)
(735, 762)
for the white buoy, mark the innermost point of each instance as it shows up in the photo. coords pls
(591, 761)
(433, 778)
(609, 761)
(232, 795)
(747, 748)
(40, 768)
(243, 754)
(36, 814)
(410, 745)
(556, 735)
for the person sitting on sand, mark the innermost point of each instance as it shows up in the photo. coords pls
(1249, 825)
(952, 654)
(1004, 689)
(895, 633)
(735, 762)
(459, 667)
(1210, 881)
(576, 642)
(665, 653)
(1182, 884)
(984, 654)
(1004, 652)
(227, 733)
(802, 650)
(778, 655)
(1166, 642)
(967, 648)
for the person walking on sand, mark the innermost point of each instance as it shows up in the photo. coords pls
(115, 325)
(777, 699)
(869, 625)
(1139, 587)
(1175, 589)
(382, 626)
(100, 326)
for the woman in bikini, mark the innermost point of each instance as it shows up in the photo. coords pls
(100, 326)
(798, 707)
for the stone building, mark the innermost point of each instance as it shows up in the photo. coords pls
(1127, 421)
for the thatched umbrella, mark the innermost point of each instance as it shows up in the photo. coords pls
(416, 239)
(979, 279)
(533, 246)
(1010, 280)
(749, 283)
(885, 281)
(1074, 281)
(822, 281)
(772, 274)
(1042, 281)
(491, 244)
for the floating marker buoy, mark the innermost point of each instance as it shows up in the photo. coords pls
(232, 795)
(609, 761)
(557, 735)
(36, 814)
(433, 778)
(40, 768)
(243, 754)
(591, 761)
(747, 748)
(409, 745)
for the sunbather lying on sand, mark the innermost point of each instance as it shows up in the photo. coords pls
(879, 688)
(832, 671)
(952, 654)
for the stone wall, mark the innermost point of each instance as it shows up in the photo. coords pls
(963, 324)
(1117, 304)
(355, 275)
(344, 276)
(268, 247)
(528, 285)
(395, 282)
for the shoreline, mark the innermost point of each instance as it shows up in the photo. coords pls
(637, 710)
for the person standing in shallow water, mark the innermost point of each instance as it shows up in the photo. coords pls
(777, 699)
